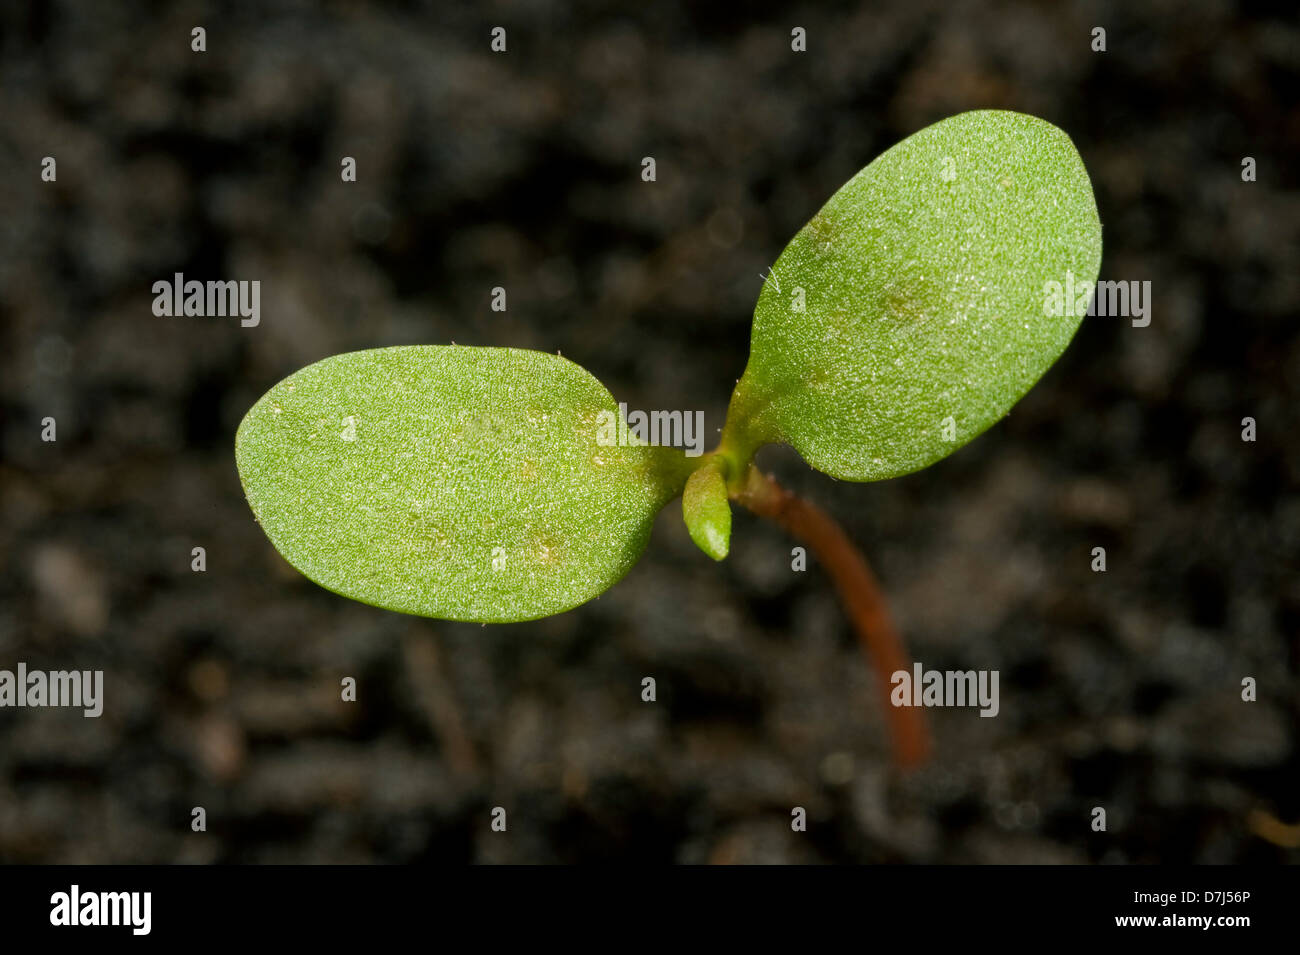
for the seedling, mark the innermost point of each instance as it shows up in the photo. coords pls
(904, 319)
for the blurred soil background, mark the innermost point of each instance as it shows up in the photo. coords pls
(1119, 690)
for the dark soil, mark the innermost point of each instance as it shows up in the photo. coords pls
(1119, 690)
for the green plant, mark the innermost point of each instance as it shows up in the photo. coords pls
(903, 320)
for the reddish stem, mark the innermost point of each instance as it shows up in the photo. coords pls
(858, 591)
